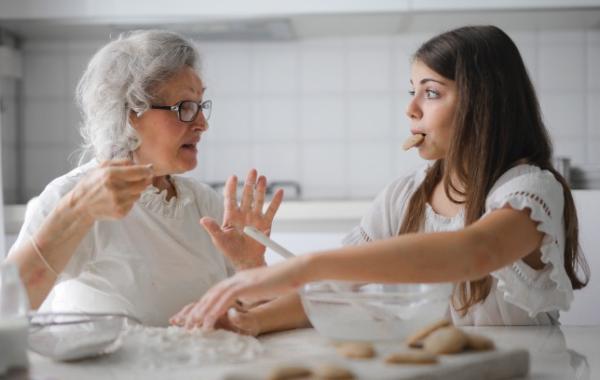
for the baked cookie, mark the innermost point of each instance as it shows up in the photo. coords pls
(479, 343)
(411, 357)
(289, 372)
(356, 350)
(416, 340)
(445, 340)
(333, 372)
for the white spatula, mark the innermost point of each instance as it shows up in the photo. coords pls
(267, 242)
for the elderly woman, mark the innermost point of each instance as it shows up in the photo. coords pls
(121, 232)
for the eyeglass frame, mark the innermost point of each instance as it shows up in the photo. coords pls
(177, 108)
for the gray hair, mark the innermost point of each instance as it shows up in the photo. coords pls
(121, 78)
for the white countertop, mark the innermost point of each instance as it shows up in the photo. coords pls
(313, 213)
(557, 353)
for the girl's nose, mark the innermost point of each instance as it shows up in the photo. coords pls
(413, 111)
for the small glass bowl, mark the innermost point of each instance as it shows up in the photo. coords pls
(73, 336)
(359, 311)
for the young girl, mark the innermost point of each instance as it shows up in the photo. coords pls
(488, 213)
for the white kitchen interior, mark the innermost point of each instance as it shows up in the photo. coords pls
(311, 93)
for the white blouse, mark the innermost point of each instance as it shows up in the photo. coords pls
(520, 295)
(149, 264)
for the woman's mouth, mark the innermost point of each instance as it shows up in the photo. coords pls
(189, 147)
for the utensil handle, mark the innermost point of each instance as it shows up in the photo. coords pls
(267, 242)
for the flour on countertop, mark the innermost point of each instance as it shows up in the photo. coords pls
(159, 347)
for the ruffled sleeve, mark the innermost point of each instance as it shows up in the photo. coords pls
(384, 217)
(548, 289)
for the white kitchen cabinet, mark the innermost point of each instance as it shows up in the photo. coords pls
(135, 10)
(437, 5)
(115, 11)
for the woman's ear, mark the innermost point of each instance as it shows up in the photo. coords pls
(134, 119)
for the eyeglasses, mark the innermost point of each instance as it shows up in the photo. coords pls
(188, 110)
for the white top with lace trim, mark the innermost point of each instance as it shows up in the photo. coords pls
(149, 264)
(520, 295)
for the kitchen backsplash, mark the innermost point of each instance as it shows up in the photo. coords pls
(326, 113)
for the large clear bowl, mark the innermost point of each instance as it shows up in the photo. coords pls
(359, 311)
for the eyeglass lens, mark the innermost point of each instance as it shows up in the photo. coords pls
(188, 110)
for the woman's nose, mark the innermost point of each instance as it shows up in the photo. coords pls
(200, 123)
(413, 111)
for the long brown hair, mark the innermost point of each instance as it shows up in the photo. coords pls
(497, 124)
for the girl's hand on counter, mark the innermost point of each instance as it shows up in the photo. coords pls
(238, 319)
(110, 191)
(241, 250)
(248, 286)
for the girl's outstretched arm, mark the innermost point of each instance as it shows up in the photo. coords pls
(499, 239)
(502, 237)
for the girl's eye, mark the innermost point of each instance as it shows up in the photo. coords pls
(411, 92)
(431, 94)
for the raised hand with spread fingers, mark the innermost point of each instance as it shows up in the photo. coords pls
(243, 251)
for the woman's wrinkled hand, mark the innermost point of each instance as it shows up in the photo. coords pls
(110, 190)
(241, 250)
(248, 286)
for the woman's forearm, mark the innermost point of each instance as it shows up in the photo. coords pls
(57, 239)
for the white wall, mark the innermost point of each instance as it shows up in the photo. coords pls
(328, 113)
(8, 114)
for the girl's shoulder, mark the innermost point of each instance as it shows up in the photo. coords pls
(530, 184)
(525, 174)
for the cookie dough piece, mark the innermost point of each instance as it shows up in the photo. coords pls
(413, 141)
(446, 340)
(333, 372)
(415, 340)
(356, 350)
(289, 373)
(479, 343)
(412, 357)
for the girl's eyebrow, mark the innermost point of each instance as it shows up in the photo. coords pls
(425, 80)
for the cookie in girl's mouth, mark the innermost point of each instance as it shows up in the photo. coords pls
(413, 141)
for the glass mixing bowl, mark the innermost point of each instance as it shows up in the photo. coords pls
(73, 336)
(359, 311)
